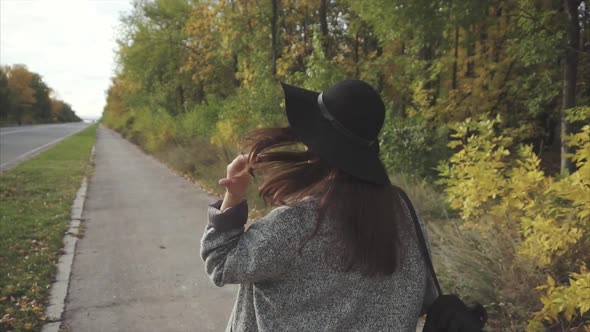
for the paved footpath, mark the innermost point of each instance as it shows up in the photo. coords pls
(138, 268)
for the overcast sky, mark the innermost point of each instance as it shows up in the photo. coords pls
(70, 43)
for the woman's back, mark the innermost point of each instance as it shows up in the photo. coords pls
(346, 260)
(287, 287)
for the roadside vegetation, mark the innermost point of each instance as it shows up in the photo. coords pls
(35, 204)
(486, 128)
(26, 99)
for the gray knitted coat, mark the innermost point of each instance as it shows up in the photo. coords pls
(282, 289)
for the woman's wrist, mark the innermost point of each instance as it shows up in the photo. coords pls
(231, 200)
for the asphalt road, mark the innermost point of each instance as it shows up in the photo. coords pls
(137, 267)
(21, 143)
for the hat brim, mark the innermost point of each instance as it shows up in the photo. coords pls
(315, 131)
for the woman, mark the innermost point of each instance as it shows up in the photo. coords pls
(340, 252)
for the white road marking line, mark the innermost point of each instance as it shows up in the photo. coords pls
(35, 127)
(10, 132)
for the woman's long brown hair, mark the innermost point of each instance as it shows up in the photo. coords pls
(367, 215)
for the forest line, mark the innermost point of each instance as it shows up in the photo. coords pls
(26, 99)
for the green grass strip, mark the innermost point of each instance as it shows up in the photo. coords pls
(35, 202)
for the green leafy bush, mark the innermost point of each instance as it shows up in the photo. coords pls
(408, 147)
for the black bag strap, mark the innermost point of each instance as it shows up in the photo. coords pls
(421, 240)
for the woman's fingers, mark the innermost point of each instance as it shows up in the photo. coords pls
(242, 159)
(238, 165)
(234, 179)
(242, 174)
(237, 180)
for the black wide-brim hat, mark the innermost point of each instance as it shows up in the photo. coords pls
(341, 125)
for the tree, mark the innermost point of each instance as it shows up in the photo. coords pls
(42, 106)
(6, 98)
(19, 84)
(274, 29)
(152, 51)
(211, 60)
(570, 72)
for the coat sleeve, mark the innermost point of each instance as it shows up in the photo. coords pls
(265, 251)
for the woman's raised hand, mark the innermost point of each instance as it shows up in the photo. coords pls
(236, 182)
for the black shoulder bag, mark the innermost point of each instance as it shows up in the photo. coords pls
(448, 312)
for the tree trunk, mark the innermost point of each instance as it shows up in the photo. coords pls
(355, 55)
(456, 57)
(275, 35)
(569, 77)
(180, 96)
(307, 42)
(324, 26)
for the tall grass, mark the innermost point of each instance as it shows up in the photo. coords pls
(486, 270)
(428, 201)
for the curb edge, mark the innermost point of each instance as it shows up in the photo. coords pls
(60, 286)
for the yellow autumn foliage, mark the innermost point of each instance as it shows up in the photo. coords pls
(493, 183)
(567, 300)
(226, 132)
